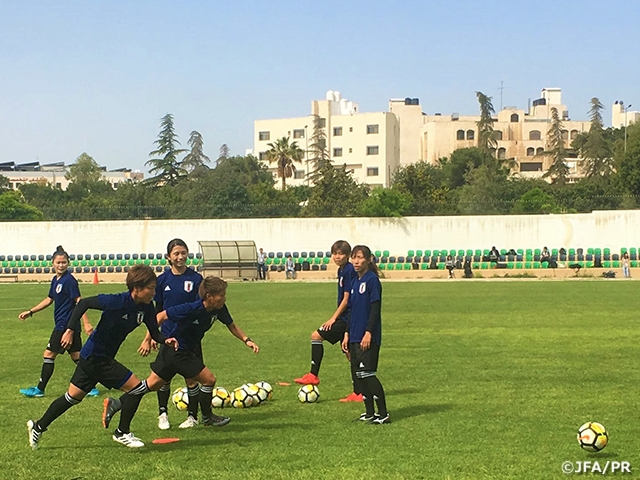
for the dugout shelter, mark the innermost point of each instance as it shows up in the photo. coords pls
(229, 259)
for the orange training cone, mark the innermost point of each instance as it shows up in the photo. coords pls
(95, 277)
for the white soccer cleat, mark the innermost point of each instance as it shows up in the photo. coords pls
(163, 422)
(34, 434)
(189, 422)
(128, 439)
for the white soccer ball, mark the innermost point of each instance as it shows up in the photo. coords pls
(593, 437)
(254, 392)
(240, 398)
(220, 398)
(180, 399)
(308, 394)
(267, 388)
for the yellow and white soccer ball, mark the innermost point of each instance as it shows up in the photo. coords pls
(308, 394)
(180, 398)
(220, 398)
(593, 437)
(267, 388)
(240, 398)
(254, 392)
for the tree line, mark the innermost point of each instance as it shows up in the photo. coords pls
(184, 183)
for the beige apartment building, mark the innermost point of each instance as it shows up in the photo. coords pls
(367, 143)
(374, 145)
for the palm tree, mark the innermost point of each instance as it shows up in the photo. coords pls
(284, 154)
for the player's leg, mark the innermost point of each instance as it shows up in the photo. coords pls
(317, 353)
(163, 402)
(208, 382)
(81, 383)
(48, 365)
(74, 353)
(193, 393)
(372, 384)
(358, 367)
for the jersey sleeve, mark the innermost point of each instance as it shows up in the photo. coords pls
(179, 312)
(80, 309)
(375, 290)
(152, 324)
(52, 290)
(224, 316)
(74, 289)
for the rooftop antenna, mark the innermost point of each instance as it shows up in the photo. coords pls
(501, 90)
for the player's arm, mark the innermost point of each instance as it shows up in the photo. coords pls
(148, 343)
(86, 324)
(74, 321)
(41, 306)
(240, 335)
(152, 327)
(339, 311)
(374, 320)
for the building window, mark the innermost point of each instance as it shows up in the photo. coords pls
(539, 151)
(322, 122)
(531, 167)
(460, 135)
(535, 135)
(372, 150)
(298, 174)
(264, 136)
(372, 129)
(497, 134)
(372, 171)
(531, 152)
(471, 134)
(337, 152)
(262, 156)
(298, 133)
(574, 134)
(515, 118)
(565, 135)
(337, 131)
(502, 153)
(351, 150)
(350, 129)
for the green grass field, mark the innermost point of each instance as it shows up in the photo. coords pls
(484, 380)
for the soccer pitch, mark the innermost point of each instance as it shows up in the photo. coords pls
(483, 379)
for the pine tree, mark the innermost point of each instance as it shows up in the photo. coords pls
(318, 154)
(196, 159)
(166, 165)
(558, 171)
(596, 150)
(486, 141)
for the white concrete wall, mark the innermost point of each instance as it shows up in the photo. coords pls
(612, 229)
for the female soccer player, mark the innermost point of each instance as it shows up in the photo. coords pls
(175, 286)
(333, 329)
(121, 314)
(363, 337)
(64, 294)
(192, 321)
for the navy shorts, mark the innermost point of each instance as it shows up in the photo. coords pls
(54, 342)
(336, 334)
(105, 370)
(170, 363)
(364, 361)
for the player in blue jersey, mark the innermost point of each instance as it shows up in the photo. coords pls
(175, 286)
(364, 334)
(121, 314)
(64, 293)
(333, 330)
(192, 321)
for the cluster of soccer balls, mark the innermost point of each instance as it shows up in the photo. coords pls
(248, 395)
(593, 437)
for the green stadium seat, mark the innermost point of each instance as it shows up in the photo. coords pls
(424, 266)
(325, 260)
(452, 253)
(511, 265)
(536, 264)
(316, 261)
(469, 253)
(606, 264)
(615, 264)
(527, 265)
(407, 266)
(537, 251)
(634, 263)
(418, 253)
(503, 251)
(520, 251)
(623, 251)
(427, 253)
(377, 253)
(476, 266)
(382, 266)
(554, 251)
(518, 265)
(385, 253)
(484, 265)
(588, 264)
(589, 251)
(436, 253)
(607, 251)
(572, 251)
(461, 253)
(633, 251)
(411, 253)
(478, 252)
(597, 251)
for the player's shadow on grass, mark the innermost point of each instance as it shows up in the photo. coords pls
(398, 414)
(403, 391)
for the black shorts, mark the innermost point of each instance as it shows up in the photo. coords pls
(105, 370)
(362, 361)
(197, 351)
(170, 362)
(54, 342)
(336, 334)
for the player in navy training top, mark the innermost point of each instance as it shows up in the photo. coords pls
(176, 286)
(192, 321)
(364, 334)
(64, 293)
(121, 314)
(333, 330)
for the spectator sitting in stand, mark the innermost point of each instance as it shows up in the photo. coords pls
(494, 255)
(289, 268)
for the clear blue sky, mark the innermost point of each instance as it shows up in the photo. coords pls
(97, 76)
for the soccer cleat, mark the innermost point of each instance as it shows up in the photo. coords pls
(215, 420)
(93, 393)
(352, 397)
(34, 434)
(308, 379)
(33, 392)
(378, 420)
(365, 417)
(163, 422)
(189, 422)
(128, 439)
(111, 407)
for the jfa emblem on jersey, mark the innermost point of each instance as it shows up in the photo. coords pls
(140, 317)
(341, 281)
(188, 286)
(363, 288)
(58, 288)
